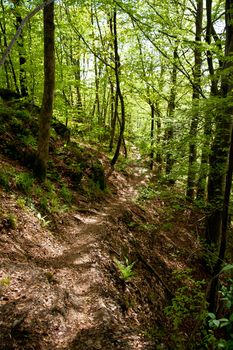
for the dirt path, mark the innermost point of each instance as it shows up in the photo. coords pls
(56, 292)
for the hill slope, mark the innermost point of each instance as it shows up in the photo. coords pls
(82, 268)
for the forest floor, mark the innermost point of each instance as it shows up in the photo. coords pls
(60, 286)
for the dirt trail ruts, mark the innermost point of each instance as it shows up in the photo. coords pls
(57, 294)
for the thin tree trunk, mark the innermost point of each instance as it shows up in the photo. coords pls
(205, 154)
(3, 29)
(204, 166)
(118, 92)
(113, 116)
(169, 133)
(191, 183)
(77, 75)
(152, 129)
(22, 56)
(158, 153)
(214, 79)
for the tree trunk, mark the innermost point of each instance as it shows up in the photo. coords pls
(191, 183)
(204, 166)
(113, 116)
(118, 92)
(3, 29)
(213, 289)
(152, 130)
(169, 133)
(21, 49)
(221, 145)
(159, 159)
(48, 96)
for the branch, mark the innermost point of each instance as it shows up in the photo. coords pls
(24, 21)
(85, 42)
(164, 53)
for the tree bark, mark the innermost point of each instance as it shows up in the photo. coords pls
(22, 56)
(48, 95)
(169, 133)
(221, 145)
(191, 183)
(152, 131)
(3, 29)
(118, 92)
(213, 288)
(214, 78)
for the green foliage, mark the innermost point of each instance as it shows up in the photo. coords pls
(5, 281)
(188, 308)
(54, 205)
(42, 220)
(93, 190)
(49, 186)
(147, 227)
(23, 115)
(12, 221)
(122, 165)
(24, 182)
(21, 202)
(125, 269)
(210, 255)
(167, 226)
(224, 325)
(43, 203)
(29, 140)
(66, 194)
(146, 193)
(4, 179)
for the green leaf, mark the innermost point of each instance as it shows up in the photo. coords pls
(212, 316)
(216, 323)
(227, 268)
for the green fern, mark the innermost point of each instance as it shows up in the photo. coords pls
(125, 269)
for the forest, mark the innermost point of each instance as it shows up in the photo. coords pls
(116, 163)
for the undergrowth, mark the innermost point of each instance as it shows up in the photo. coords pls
(188, 311)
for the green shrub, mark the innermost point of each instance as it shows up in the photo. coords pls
(224, 325)
(188, 309)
